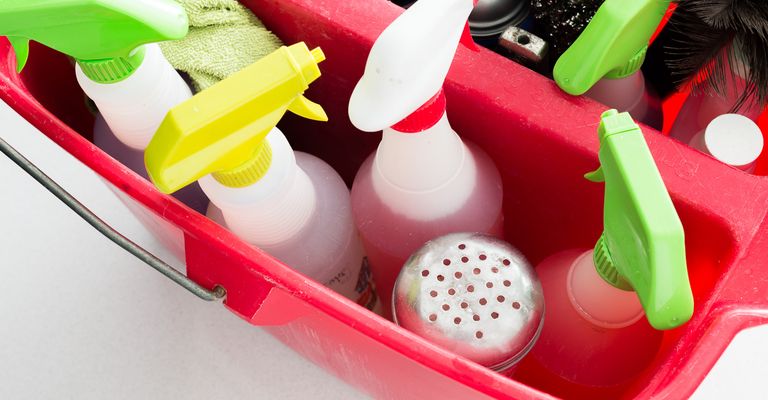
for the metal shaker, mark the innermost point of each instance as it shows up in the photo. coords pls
(472, 294)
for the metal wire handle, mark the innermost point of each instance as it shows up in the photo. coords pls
(150, 259)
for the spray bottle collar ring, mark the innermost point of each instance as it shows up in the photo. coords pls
(113, 70)
(249, 172)
(605, 266)
(425, 117)
(633, 65)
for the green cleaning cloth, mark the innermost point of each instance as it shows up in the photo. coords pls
(224, 37)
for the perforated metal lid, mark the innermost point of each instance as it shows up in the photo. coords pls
(473, 294)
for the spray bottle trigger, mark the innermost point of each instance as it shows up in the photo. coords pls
(21, 48)
(595, 176)
(306, 108)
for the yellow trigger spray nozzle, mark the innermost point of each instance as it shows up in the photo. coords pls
(221, 130)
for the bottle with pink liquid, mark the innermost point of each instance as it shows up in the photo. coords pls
(607, 307)
(423, 181)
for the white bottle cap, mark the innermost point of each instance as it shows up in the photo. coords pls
(408, 63)
(733, 139)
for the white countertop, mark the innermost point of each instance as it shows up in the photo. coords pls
(81, 318)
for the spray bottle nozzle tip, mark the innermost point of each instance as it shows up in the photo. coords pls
(318, 55)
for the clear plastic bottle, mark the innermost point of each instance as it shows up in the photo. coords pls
(326, 246)
(170, 236)
(136, 106)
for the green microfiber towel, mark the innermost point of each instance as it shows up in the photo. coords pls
(224, 37)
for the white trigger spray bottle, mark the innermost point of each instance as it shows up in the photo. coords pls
(423, 181)
(121, 68)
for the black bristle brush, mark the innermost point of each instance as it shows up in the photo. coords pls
(709, 37)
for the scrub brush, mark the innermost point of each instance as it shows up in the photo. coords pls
(713, 41)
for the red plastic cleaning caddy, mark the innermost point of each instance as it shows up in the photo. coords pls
(542, 140)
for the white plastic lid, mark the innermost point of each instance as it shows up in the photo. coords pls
(408, 63)
(733, 139)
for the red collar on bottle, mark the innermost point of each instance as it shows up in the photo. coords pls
(425, 117)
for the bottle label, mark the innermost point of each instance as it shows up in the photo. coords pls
(365, 289)
(361, 290)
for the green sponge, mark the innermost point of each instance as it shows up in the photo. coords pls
(224, 37)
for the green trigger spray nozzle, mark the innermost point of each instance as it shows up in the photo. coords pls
(642, 247)
(613, 45)
(104, 36)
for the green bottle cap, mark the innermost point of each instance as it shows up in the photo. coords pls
(104, 36)
(613, 45)
(642, 247)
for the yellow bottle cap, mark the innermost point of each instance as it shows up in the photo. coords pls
(221, 130)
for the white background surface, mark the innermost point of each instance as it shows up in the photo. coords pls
(80, 318)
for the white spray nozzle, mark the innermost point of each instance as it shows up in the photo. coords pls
(408, 63)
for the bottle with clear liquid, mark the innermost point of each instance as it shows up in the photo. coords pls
(607, 307)
(169, 236)
(292, 205)
(423, 181)
(308, 227)
(130, 112)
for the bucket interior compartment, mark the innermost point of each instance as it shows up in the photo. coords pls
(542, 141)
